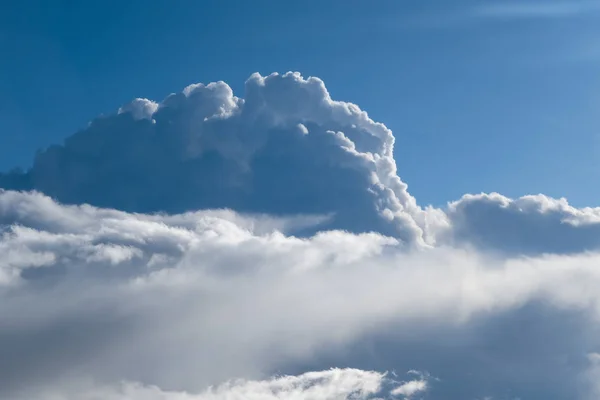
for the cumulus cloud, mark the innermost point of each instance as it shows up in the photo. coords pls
(140, 109)
(185, 301)
(286, 148)
(528, 225)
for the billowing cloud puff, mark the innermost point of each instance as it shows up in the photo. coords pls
(140, 109)
(286, 148)
(185, 301)
(528, 225)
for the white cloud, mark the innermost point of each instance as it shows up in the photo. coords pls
(335, 384)
(190, 300)
(410, 388)
(286, 148)
(140, 108)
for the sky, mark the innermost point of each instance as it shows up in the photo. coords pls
(482, 96)
(318, 201)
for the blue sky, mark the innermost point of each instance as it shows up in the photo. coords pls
(481, 96)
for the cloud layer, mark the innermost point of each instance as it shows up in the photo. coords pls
(182, 244)
(208, 296)
(334, 384)
(286, 149)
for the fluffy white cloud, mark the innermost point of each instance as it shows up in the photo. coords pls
(286, 148)
(184, 301)
(140, 108)
(410, 388)
(528, 225)
(335, 384)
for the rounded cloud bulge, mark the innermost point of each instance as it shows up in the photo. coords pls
(287, 148)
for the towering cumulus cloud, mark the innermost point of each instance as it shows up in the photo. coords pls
(287, 148)
(210, 247)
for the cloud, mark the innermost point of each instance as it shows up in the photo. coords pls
(210, 296)
(286, 148)
(140, 109)
(335, 384)
(528, 225)
(411, 388)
